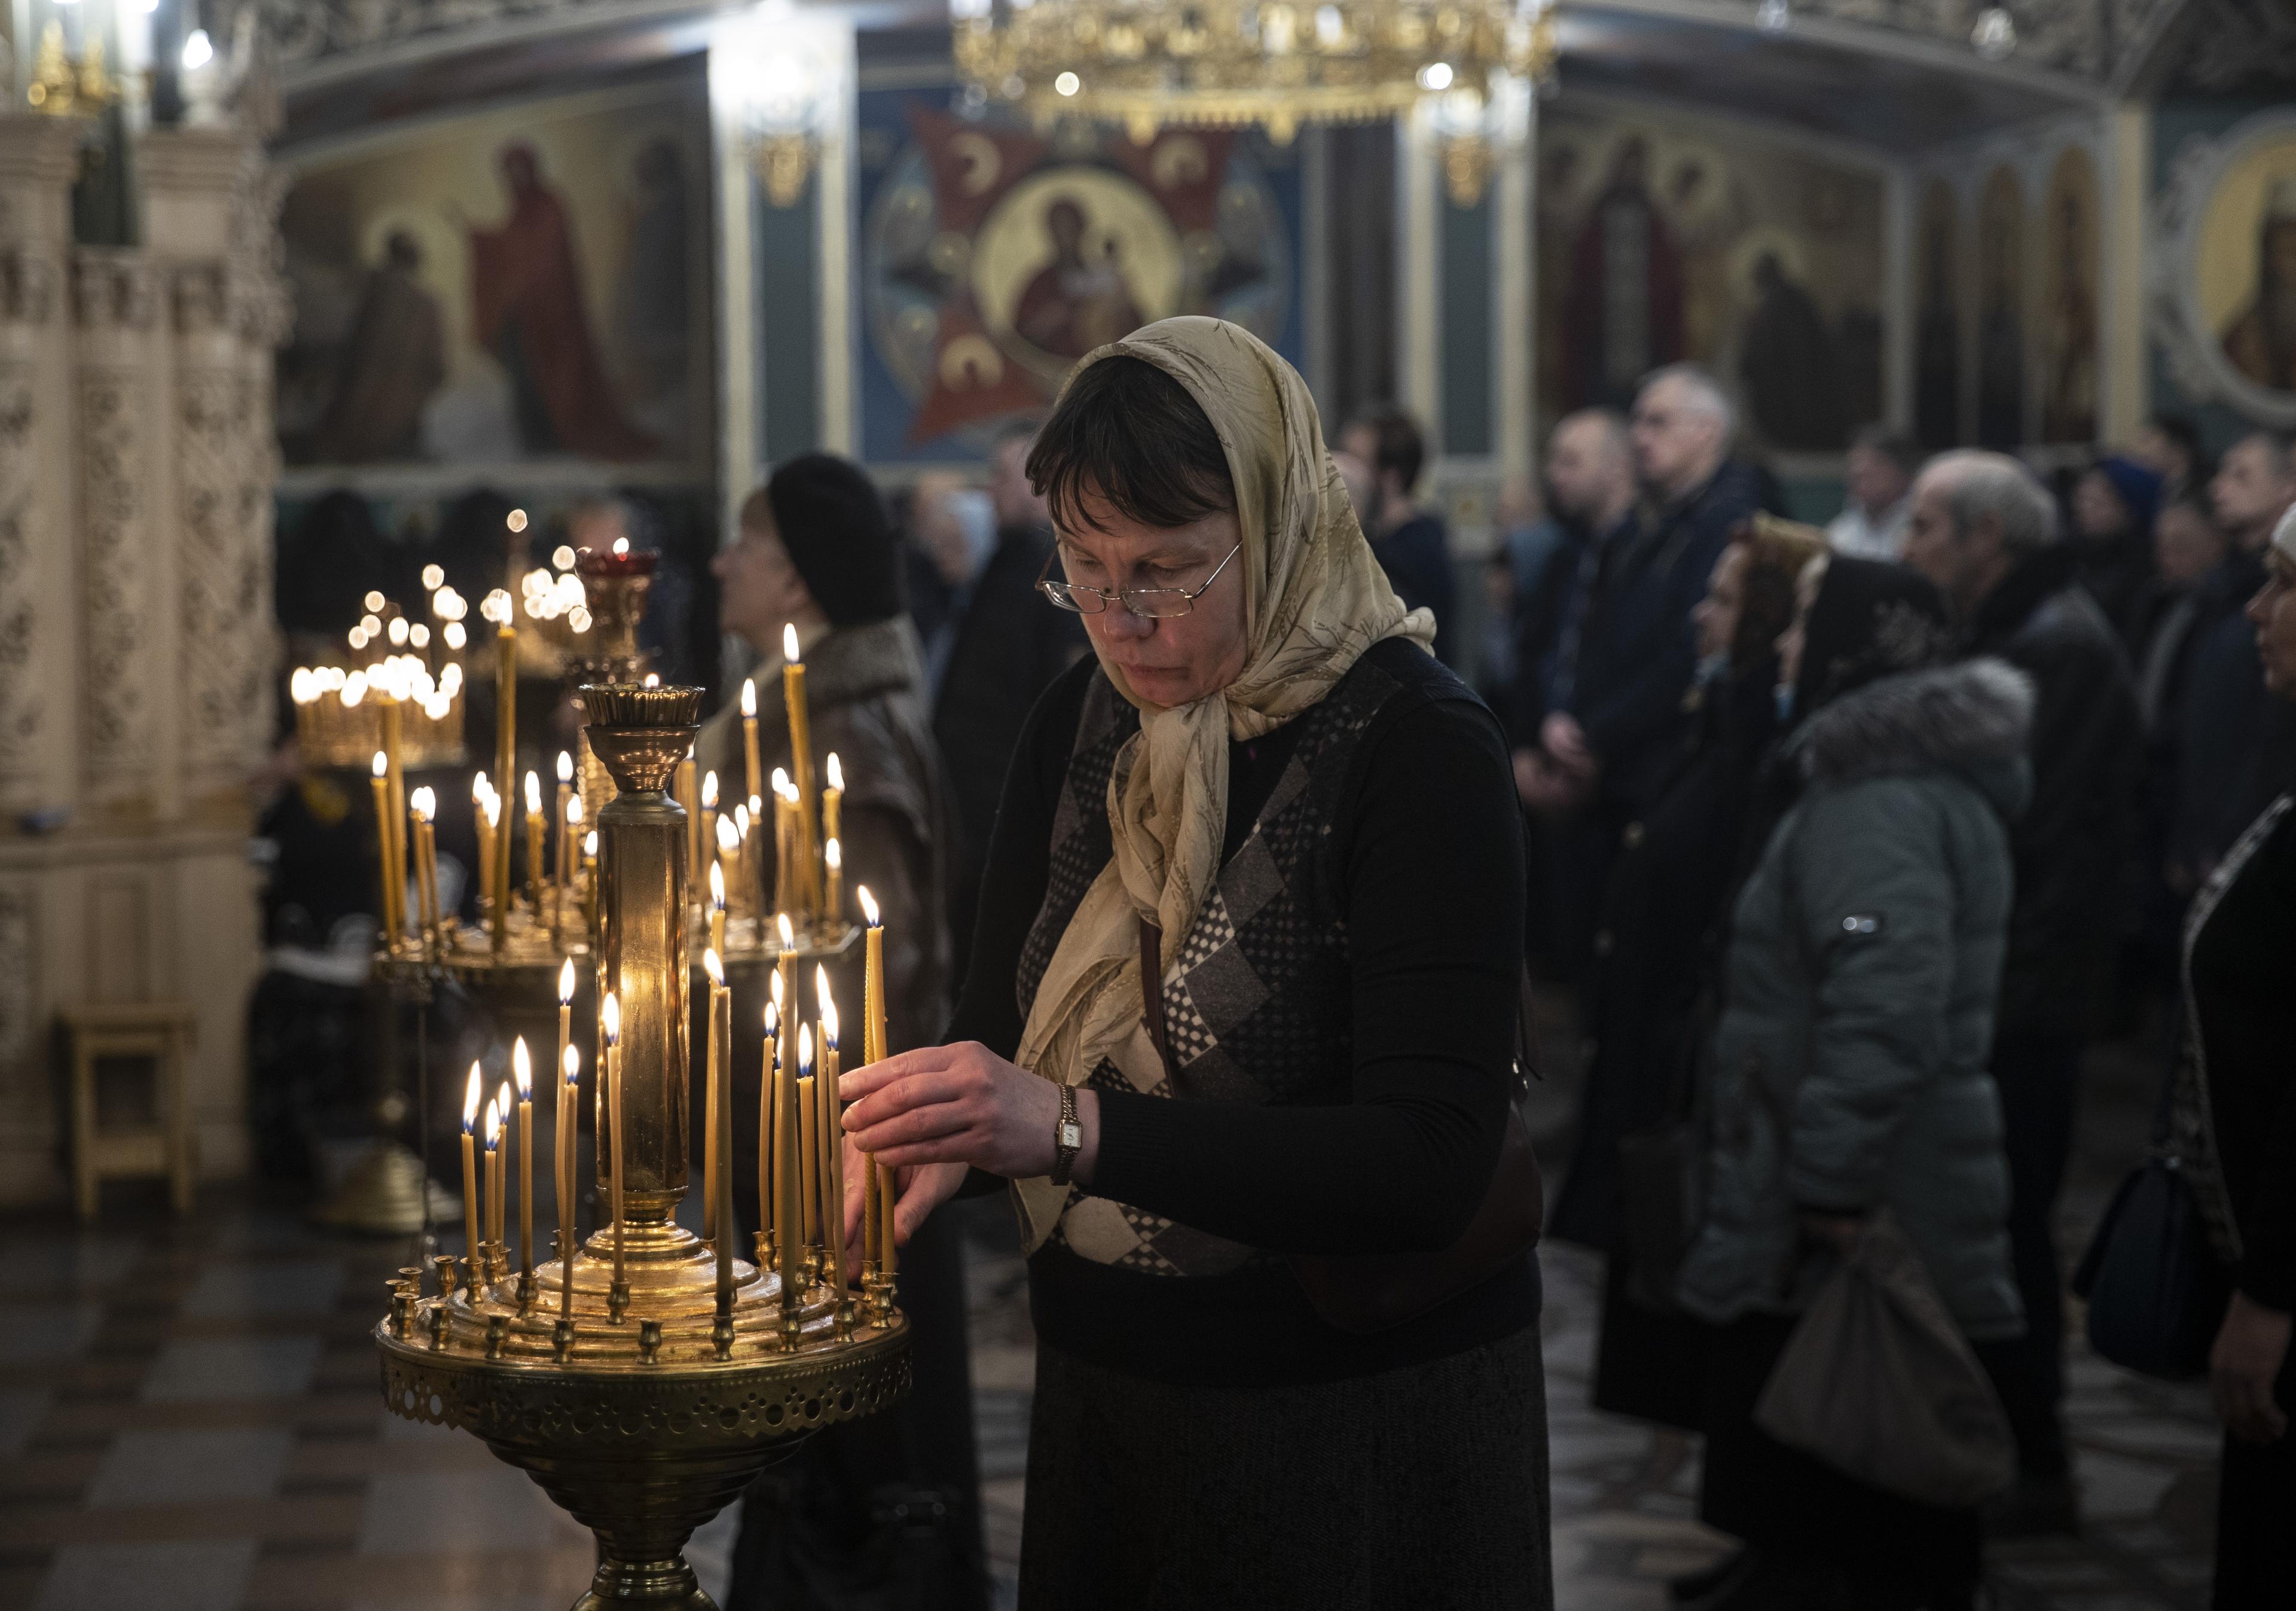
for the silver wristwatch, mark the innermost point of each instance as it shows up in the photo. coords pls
(1068, 1137)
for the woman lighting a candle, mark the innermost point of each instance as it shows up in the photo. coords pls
(1265, 796)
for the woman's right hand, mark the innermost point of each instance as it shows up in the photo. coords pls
(920, 1189)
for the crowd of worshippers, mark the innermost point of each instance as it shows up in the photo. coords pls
(1848, 841)
(1852, 840)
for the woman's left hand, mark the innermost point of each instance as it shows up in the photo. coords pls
(963, 1104)
(2244, 1368)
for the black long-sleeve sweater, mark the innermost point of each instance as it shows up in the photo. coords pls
(2247, 1023)
(1432, 888)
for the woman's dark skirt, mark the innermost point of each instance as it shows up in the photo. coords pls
(1422, 1487)
(1783, 1503)
(2256, 1515)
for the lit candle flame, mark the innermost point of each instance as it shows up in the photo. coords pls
(432, 575)
(712, 967)
(565, 767)
(477, 787)
(805, 1051)
(610, 1014)
(574, 811)
(374, 600)
(789, 934)
(354, 690)
(516, 520)
(773, 1015)
(789, 644)
(566, 982)
(832, 855)
(741, 822)
(573, 1065)
(868, 904)
(426, 804)
(471, 1101)
(709, 790)
(498, 1110)
(590, 843)
(521, 1068)
(728, 840)
(382, 764)
(653, 679)
(717, 885)
(781, 781)
(776, 987)
(828, 1007)
(833, 772)
(492, 1133)
(749, 698)
(533, 795)
(494, 808)
(622, 545)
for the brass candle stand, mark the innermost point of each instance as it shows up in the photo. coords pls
(644, 1386)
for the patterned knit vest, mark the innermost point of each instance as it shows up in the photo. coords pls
(1256, 999)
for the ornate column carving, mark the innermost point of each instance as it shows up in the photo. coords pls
(37, 651)
(213, 205)
(114, 297)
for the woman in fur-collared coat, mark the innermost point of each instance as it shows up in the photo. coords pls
(1847, 1074)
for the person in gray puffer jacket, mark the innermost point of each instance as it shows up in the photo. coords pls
(1848, 1071)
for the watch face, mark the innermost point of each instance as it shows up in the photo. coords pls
(1072, 1136)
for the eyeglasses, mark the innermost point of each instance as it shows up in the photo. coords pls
(1150, 604)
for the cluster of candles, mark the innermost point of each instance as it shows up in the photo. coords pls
(409, 697)
(800, 1146)
(809, 860)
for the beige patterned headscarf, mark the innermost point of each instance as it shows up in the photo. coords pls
(1315, 599)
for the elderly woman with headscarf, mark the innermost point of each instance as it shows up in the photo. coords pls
(1666, 898)
(1848, 1072)
(1244, 994)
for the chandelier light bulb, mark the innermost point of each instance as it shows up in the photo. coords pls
(1994, 37)
(198, 51)
(1067, 84)
(1435, 77)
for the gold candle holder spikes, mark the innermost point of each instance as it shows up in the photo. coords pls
(522, 1072)
(670, 1372)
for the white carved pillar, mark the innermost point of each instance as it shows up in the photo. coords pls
(38, 653)
(211, 202)
(122, 682)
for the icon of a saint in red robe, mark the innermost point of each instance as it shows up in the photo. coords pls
(527, 307)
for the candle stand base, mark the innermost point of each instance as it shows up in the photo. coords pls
(381, 1196)
(646, 1428)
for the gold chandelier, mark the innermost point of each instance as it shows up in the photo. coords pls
(1148, 64)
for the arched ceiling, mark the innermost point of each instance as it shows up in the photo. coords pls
(1894, 75)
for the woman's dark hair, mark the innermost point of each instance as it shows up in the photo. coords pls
(1130, 434)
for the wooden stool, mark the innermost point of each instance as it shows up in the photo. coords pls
(162, 1032)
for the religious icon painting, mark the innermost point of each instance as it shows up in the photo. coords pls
(994, 258)
(2223, 292)
(2068, 358)
(1659, 242)
(523, 285)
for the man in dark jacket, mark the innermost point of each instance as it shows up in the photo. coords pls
(1008, 643)
(1984, 530)
(1408, 539)
(1637, 649)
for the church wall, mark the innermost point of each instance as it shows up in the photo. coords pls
(136, 645)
